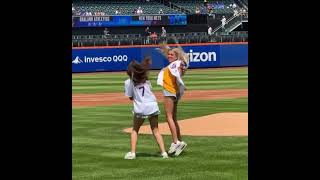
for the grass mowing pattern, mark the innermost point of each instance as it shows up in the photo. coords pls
(194, 80)
(99, 146)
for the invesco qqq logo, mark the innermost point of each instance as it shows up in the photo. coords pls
(77, 60)
(201, 56)
(115, 58)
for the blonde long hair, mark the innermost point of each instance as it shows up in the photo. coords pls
(179, 52)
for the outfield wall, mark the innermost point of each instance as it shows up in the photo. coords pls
(117, 58)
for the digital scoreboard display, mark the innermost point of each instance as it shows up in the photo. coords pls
(136, 20)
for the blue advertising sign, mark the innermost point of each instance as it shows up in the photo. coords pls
(118, 58)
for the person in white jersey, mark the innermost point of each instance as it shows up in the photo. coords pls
(223, 23)
(138, 89)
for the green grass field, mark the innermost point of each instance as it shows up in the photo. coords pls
(99, 144)
(194, 79)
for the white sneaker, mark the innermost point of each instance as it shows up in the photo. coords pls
(130, 155)
(173, 147)
(164, 155)
(180, 148)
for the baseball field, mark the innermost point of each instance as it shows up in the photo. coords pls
(217, 148)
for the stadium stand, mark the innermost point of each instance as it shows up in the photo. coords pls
(193, 32)
(125, 7)
(219, 7)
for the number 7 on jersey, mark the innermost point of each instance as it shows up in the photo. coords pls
(142, 90)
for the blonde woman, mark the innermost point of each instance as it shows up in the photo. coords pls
(170, 78)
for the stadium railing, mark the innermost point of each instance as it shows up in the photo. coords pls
(135, 39)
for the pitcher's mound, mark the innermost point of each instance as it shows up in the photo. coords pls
(220, 124)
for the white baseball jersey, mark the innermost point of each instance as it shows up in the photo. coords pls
(144, 101)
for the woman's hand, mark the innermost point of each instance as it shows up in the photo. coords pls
(183, 69)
